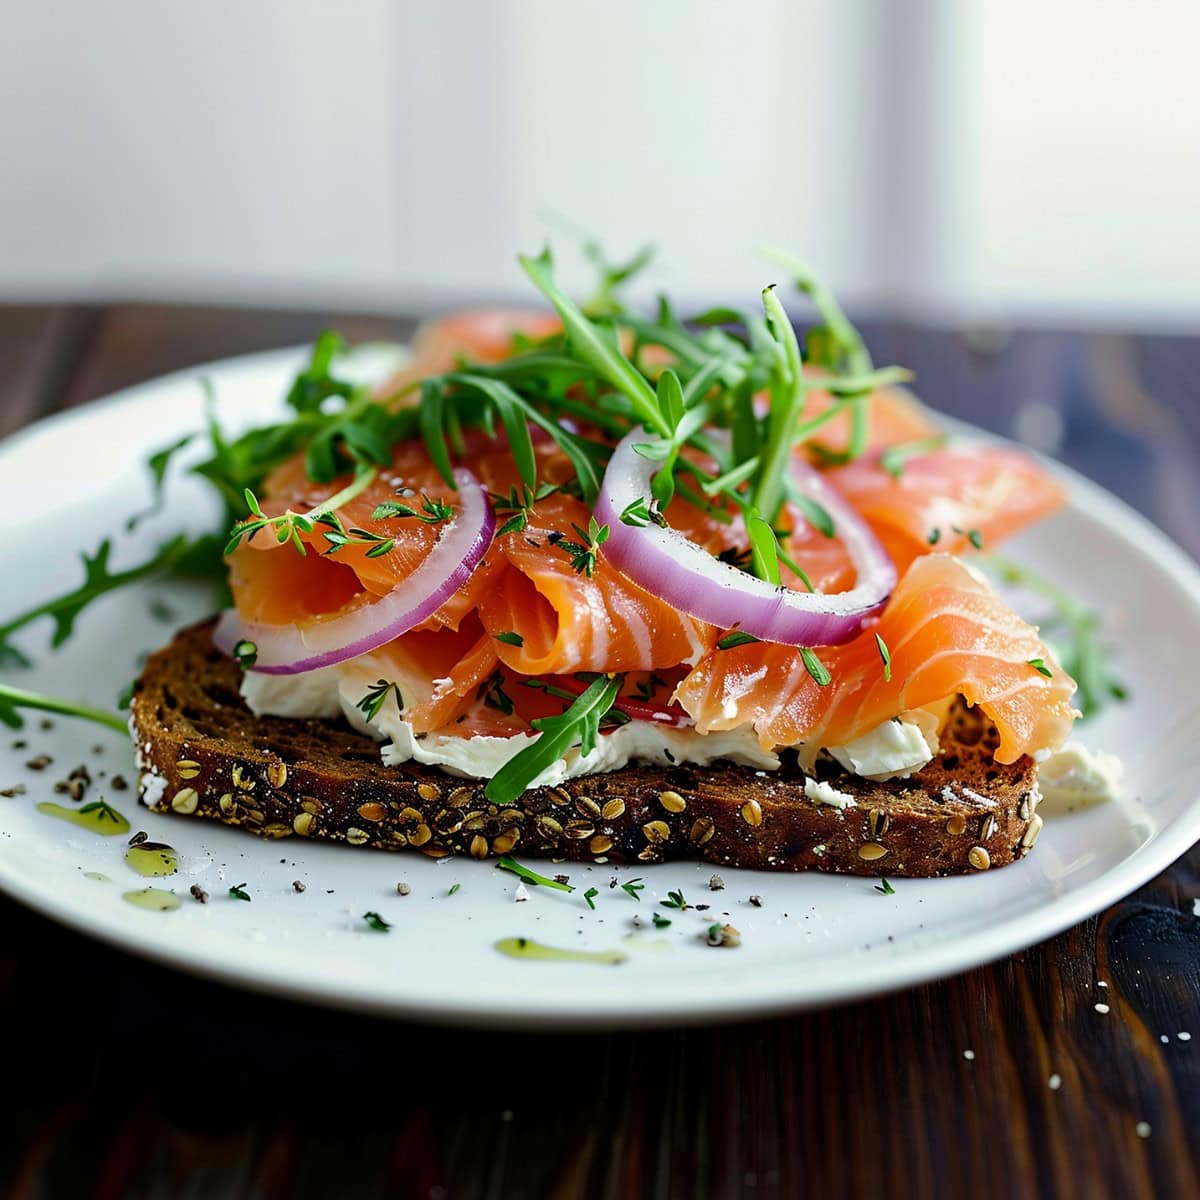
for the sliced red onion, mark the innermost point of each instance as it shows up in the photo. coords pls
(291, 649)
(686, 576)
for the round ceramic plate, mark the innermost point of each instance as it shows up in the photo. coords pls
(72, 480)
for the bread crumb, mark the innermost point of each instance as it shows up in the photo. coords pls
(403, 889)
(715, 883)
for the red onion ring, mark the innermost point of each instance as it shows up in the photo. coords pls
(686, 576)
(336, 637)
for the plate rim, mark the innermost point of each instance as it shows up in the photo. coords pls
(775, 995)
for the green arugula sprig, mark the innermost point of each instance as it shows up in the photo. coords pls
(504, 863)
(577, 725)
(98, 581)
(1082, 653)
(13, 699)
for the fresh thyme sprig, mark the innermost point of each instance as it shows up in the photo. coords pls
(371, 704)
(585, 552)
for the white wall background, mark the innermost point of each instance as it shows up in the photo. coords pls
(972, 158)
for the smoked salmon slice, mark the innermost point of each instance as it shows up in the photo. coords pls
(947, 633)
(949, 500)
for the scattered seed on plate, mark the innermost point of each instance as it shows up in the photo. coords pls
(40, 762)
(138, 838)
(756, 901)
(402, 888)
(1184, 1037)
(716, 883)
(17, 789)
(1054, 1082)
(297, 886)
(118, 783)
(969, 1055)
(196, 890)
(1142, 1129)
(1101, 1008)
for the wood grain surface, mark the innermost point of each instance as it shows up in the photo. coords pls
(126, 1079)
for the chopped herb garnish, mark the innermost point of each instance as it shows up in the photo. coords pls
(885, 888)
(246, 653)
(453, 888)
(531, 877)
(736, 638)
(590, 896)
(494, 695)
(886, 655)
(1039, 665)
(815, 667)
(238, 892)
(372, 703)
(633, 887)
(103, 811)
(974, 536)
(675, 900)
(660, 922)
(509, 638)
(376, 922)
(934, 536)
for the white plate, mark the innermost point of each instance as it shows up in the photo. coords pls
(817, 939)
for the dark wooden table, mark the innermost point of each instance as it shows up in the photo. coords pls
(126, 1079)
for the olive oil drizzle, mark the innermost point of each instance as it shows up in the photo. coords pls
(519, 947)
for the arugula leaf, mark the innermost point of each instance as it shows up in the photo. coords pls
(98, 581)
(580, 723)
(505, 863)
(12, 699)
(314, 385)
(603, 355)
(764, 549)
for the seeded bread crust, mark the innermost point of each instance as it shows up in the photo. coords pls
(202, 753)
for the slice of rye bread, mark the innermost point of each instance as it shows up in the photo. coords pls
(202, 753)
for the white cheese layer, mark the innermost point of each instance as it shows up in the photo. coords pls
(1075, 777)
(895, 749)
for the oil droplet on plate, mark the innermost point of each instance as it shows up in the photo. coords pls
(153, 859)
(519, 947)
(152, 898)
(96, 817)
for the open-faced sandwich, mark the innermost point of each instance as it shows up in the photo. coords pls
(600, 586)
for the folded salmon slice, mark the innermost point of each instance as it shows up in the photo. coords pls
(950, 499)
(947, 633)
